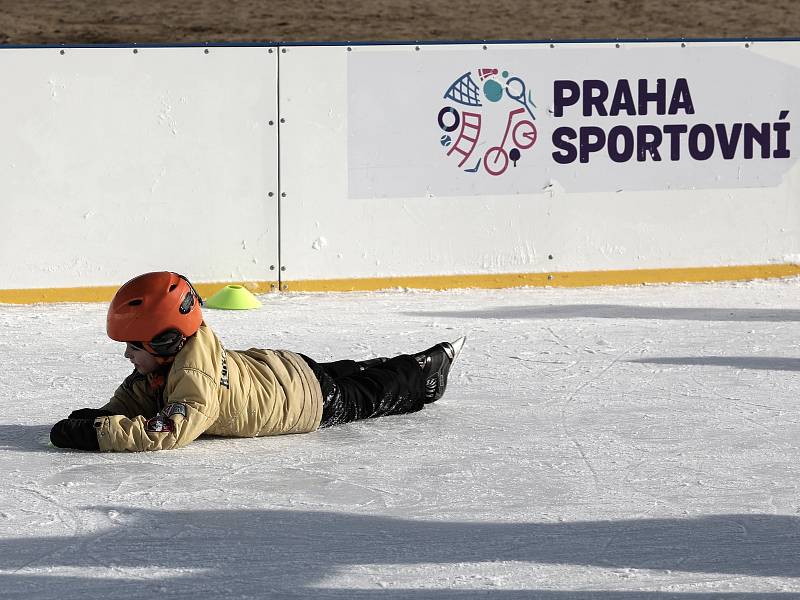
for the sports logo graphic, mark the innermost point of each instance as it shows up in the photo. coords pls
(159, 424)
(465, 119)
(162, 422)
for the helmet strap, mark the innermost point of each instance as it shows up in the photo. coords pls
(166, 343)
(194, 291)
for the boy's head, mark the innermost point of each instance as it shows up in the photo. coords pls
(154, 313)
(141, 359)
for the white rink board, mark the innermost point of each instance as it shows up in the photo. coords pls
(117, 161)
(371, 190)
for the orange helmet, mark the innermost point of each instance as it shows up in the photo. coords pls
(156, 311)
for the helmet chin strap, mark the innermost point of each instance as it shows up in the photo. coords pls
(164, 360)
(167, 343)
(164, 357)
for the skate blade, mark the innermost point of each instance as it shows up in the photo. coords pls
(458, 345)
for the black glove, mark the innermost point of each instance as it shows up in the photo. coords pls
(89, 413)
(75, 433)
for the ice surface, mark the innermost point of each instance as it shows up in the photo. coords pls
(605, 443)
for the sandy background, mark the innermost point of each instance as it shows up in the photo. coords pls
(169, 21)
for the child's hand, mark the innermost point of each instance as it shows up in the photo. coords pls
(89, 413)
(75, 433)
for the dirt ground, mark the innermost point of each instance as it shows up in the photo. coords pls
(171, 21)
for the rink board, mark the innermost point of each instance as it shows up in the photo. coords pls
(390, 192)
(371, 166)
(117, 161)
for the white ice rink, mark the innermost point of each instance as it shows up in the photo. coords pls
(601, 444)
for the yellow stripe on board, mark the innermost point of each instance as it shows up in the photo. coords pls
(440, 282)
(105, 293)
(566, 279)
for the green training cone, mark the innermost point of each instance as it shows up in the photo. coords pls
(233, 297)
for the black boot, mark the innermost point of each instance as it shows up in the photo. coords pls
(435, 363)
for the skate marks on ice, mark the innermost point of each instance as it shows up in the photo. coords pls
(568, 406)
(766, 363)
(247, 553)
(621, 311)
(664, 442)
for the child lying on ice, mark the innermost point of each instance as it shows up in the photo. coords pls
(186, 384)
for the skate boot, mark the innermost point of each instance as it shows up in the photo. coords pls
(435, 363)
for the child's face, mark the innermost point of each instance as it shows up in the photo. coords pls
(143, 361)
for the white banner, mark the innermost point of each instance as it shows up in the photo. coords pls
(584, 118)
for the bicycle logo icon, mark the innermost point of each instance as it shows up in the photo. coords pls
(467, 124)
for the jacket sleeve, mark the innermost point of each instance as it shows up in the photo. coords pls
(191, 406)
(131, 398)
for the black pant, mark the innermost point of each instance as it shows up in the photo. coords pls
(352, 390)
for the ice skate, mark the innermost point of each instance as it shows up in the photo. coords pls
(435, 363)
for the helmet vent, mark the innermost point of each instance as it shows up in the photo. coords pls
(136, 302)
(172, 287)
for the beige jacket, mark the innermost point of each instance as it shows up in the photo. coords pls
(214, 391)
